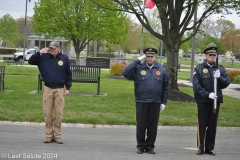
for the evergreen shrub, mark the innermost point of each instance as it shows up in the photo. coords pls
(7, 51)
(237, 79)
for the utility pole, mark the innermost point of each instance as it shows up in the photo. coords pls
(193, 49)
(25, 26)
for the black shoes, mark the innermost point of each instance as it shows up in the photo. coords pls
(200, 152)
(140, 150)
(209, 152)
(151, 151)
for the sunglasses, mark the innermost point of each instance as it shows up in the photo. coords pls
(212, 55)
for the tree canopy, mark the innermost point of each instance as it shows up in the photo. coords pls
(79, 21)
(8, 30)
(177, 18)
(20, 22)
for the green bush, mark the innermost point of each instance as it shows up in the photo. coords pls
(7, 51)
(237, 79)
(111, 55)
(99, 54)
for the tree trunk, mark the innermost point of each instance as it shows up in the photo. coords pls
(77, 51)
(172, 65)
(77, 58)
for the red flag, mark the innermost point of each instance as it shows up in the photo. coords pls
(149, 3)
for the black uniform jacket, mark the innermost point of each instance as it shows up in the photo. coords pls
(151, 85)
(203, 82)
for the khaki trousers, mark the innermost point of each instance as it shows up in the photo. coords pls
(53, 102)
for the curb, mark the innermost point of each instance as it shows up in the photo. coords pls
(81, 125)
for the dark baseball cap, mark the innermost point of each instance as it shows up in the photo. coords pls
(54, 44)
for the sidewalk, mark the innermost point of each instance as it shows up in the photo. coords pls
(229, 91)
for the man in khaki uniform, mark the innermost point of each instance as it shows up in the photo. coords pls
(55, 71)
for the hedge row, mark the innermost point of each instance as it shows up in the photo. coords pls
(7, 51)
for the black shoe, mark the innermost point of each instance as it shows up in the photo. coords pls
(210, 152)
(200, 152)
(150, 150)
(140, 150)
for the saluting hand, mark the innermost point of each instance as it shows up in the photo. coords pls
(44, 50)
(142, 57)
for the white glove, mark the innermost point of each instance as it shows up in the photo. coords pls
(216, 74)
(142, 57)
(211, 95)
(162, 106)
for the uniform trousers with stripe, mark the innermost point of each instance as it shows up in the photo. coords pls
(207, 126)
(147, 116)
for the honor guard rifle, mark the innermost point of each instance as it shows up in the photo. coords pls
(215, 86)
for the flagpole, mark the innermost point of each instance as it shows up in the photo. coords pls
(142, 36)
(147, 4)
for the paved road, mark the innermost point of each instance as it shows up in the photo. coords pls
(26, 142)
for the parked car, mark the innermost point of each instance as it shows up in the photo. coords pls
(18, 57)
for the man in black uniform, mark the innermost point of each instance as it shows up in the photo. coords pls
(151, 93)
(203, 86)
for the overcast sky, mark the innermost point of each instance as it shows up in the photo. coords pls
(16, 8)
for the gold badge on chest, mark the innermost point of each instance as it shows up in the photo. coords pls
(143, 72)
(60, 63)
(205, 70)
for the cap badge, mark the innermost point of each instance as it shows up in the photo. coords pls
(158, 73)
(60, 63)
(205, 70)
(143, 72)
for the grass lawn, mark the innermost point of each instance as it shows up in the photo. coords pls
(118, 107)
